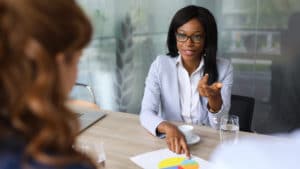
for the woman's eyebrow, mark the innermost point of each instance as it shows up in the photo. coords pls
(183, 31)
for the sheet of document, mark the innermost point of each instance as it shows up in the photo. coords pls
(165, 159)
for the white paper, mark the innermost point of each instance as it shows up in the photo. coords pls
(151, 160)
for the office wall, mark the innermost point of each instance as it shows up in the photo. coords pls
(261, 37)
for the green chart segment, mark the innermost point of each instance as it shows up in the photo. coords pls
(178, 163)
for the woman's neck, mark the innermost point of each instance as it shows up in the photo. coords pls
(191, 66)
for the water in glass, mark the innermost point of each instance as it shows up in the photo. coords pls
(229, 129)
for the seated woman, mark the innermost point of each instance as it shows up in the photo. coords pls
(189, 84)
(40, 46)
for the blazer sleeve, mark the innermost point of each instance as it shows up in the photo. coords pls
(150, 106)
(227, 80)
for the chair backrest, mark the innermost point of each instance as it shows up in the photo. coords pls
(83, 91)
(243, 107)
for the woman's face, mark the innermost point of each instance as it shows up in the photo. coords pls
(190, 40)
(68, 71)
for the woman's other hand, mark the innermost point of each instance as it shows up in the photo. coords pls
(212, 92)
(174, 138)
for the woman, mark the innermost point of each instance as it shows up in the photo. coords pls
(189, 84)
(40, 45)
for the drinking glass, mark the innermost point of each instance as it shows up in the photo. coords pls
(229, 129)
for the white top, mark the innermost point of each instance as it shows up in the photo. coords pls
(188, 93)
(161, 100)
(254, 153)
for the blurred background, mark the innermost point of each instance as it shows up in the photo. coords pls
(261, 37)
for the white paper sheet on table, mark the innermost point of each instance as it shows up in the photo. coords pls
(151, 160)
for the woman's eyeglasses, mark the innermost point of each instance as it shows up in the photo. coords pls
(180, 37)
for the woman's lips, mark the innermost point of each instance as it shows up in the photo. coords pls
(188, 52)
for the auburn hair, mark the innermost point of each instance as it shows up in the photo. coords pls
(32, 103)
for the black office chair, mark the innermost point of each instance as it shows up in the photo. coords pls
(243, 107)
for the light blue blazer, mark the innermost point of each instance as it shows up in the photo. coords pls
(161, 95)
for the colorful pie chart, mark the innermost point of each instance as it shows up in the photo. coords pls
(178, 163)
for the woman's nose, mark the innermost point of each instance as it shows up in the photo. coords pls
(189, 42)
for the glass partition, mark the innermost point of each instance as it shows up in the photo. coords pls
(261, 37)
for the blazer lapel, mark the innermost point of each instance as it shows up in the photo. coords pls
(175, 89)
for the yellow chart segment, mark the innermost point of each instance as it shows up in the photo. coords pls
(178, 163)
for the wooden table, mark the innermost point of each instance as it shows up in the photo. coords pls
(124, 137)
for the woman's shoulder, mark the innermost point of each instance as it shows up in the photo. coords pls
(11, 151)
(10, 160)
(13, 160)
(225, 67)
(11, 155)
(75, 165)
(223, 61)
(79, 166)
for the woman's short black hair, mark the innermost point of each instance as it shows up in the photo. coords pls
(208, 22)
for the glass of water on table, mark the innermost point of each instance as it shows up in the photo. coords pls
(229, 129)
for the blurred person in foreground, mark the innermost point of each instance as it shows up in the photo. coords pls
(259, 153)
(190, 83)
(40, 46)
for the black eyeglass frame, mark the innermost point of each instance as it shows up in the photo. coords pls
(191, 37)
